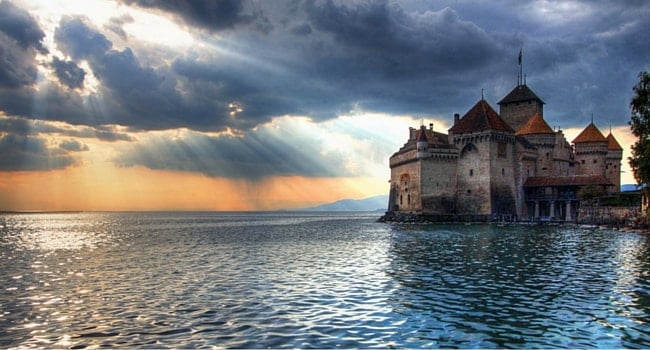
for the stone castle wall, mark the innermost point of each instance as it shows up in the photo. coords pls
(405, 181)
(591, 158)
(516, 114)
(502, 175)
(439, 185)
(474, 176)
(613, 169)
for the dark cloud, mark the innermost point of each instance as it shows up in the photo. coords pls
(19, 25)
(324, 58)
(135, 95)
(26, 127)
(75, 38)
(73, 146)
(27, 153)
(210, 14)
(301, 29)
(263, 153)
(68, 73)
(20, 40)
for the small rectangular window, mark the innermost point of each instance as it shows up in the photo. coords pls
(471, 172)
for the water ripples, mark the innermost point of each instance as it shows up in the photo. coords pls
(315, 281)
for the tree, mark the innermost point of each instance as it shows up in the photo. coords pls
(640, 125)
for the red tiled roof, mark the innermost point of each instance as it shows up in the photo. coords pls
(535, 125)
(612, 143)
(590, 134)
(480, 117)
(520, 93)
(575, 180)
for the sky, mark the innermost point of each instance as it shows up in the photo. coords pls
(266, 105)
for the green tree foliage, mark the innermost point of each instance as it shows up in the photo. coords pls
(640, 125)
(591, 193)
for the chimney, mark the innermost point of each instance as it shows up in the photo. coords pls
(456, 118)
(430, 126)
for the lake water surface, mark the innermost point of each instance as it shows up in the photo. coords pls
(316, 280)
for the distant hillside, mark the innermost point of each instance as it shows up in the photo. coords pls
(629, 187)
(368, 204)
(380, 203)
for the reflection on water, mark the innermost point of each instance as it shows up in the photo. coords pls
(315, 280)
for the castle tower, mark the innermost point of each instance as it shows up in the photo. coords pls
(591, 151)
(485, 171)
(519, 106)
(613, 162)
(422, 142)
(538, 133)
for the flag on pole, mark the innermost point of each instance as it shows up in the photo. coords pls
(519, 57)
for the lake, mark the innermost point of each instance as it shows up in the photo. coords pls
(316, 280)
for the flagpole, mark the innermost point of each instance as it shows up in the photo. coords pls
(520, 77)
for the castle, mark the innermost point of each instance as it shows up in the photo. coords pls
(501, 166)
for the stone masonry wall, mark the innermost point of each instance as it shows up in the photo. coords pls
(591, 158)
(406, 180)
(474, 178)
(439, 185)
(516, 114)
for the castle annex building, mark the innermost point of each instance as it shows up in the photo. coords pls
(501, 166)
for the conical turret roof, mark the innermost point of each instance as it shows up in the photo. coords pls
(520, 93)
(535, 125)
(612, 144)
(590, 134)
(480, 117)
(422, 135)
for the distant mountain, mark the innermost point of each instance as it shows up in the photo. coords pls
(380, 203)
(376, 203)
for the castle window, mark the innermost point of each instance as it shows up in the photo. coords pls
(606, 166)
(583, 161)
(471, 172)
(469, 191)
(595, 161)
(408, 199)
(400, 199)
(503, 171)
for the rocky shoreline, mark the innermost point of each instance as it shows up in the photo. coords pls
(638, 225)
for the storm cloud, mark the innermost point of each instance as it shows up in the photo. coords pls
(28, 153)
(68, 73)
(211, 14)
(251, 62)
